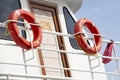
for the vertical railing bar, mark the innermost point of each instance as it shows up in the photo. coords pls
(117, 63)
(8, 77)
(25, 65)
(91, 68)
(31, 44)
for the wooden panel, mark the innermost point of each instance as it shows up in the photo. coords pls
(46, 16)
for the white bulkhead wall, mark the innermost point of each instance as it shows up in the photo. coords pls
(15, 54)
(76, 61)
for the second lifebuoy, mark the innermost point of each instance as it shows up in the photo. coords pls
(80, 38)
(14, 31)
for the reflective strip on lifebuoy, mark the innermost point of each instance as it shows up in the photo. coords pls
(80, 38)
(14, 31)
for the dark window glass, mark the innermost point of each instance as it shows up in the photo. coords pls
(6, 7)
(70, 27)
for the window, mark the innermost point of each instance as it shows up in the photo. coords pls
(6, 7)
(70, 27)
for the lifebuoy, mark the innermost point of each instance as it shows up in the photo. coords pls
(80, 38)
(14, 31)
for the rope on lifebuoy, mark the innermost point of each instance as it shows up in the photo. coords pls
(14, 30)
(82, 42)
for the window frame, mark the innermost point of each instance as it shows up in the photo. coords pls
(70, 39)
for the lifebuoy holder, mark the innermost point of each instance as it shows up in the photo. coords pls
(80, 38)
(14, 30)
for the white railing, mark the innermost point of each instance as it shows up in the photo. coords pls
(9, 76)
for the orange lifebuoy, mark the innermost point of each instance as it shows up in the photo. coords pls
(80, 38)
(14, 31)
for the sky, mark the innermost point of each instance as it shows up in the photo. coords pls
(105, 14)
